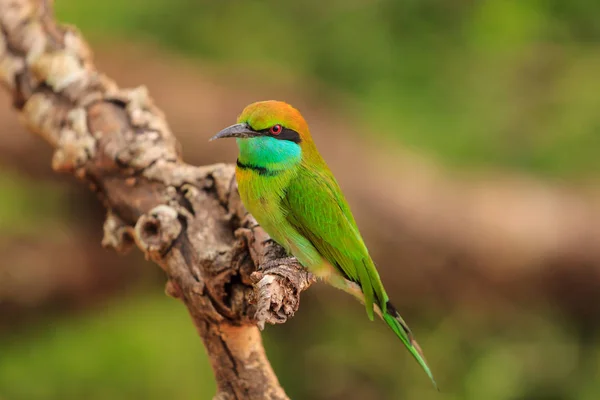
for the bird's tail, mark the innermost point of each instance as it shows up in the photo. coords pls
(391, 316)
(395, 321)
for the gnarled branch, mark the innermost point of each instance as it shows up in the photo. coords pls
(189, 220)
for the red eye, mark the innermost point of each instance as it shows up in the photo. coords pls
(276, 129)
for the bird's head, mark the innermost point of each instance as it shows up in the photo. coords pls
(269, 132)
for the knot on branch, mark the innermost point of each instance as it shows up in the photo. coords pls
(279, 284)
(156, 231)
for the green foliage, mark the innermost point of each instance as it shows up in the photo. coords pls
(145, 347)
(21, 211)
(137, 348)
(493, 83)
(473, 355)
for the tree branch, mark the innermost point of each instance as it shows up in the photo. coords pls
(189, 220)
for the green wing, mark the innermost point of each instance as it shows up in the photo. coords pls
(317, 209)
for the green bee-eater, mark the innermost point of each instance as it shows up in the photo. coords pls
(286, 185)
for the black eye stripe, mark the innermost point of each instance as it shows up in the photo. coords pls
(286, 134)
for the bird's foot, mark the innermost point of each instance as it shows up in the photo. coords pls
(280, 264)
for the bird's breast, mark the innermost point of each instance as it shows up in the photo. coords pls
(262, 194)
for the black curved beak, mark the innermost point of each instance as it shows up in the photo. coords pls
(235, 131)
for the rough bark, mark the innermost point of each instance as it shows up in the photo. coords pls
(189, 220)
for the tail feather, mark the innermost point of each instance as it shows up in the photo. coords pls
(401, 329)
(391, 316)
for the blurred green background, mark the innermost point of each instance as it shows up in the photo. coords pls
(479, 122)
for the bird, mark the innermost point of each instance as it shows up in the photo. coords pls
(285, 183)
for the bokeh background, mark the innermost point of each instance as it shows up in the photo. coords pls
(466, 135)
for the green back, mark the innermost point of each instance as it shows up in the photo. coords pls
(317, 209)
